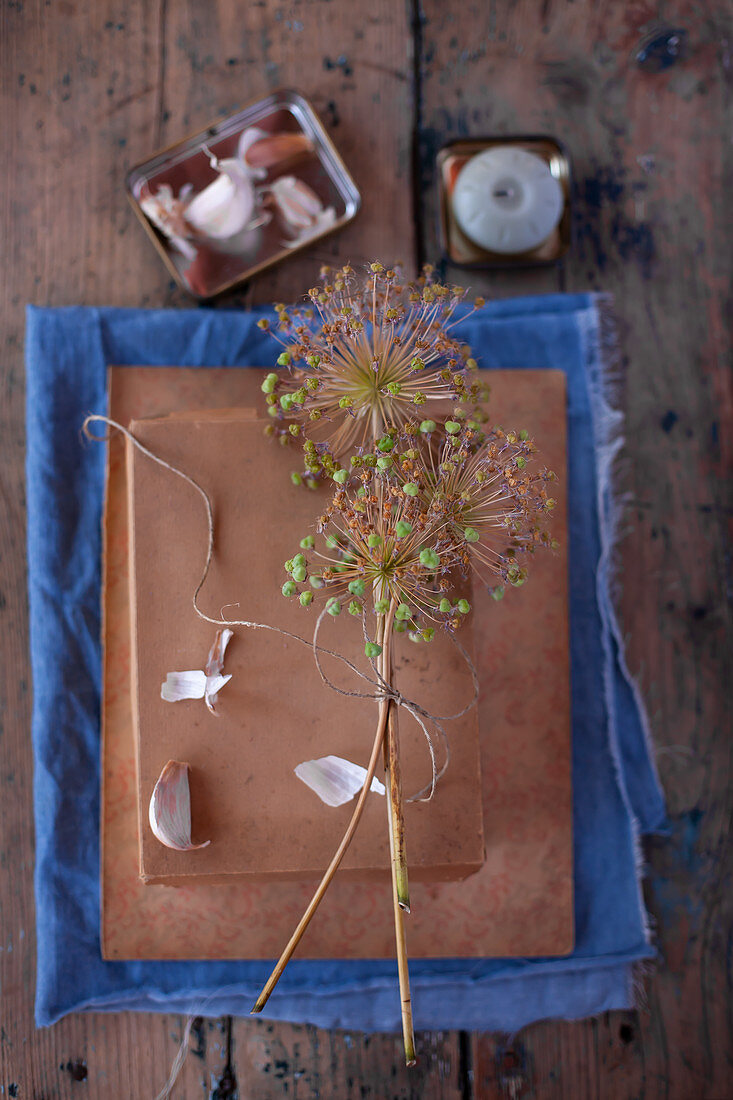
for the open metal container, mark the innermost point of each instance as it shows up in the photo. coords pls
(457, 247)
(221, 265)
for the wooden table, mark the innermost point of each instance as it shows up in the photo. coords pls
(88, 89)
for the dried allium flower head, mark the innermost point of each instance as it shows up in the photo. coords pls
(408, 520)
(366, 355)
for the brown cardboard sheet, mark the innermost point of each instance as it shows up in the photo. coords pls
(261, 820)
(519, 903)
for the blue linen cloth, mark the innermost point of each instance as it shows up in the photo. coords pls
(616, 792)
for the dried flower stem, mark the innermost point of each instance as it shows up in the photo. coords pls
(393, 783)
(400, 887)
(343, 846)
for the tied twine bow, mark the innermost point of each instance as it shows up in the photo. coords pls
(382, 689)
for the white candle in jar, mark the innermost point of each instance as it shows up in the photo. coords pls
(507, 200)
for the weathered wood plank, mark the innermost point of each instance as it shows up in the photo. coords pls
(650, 220)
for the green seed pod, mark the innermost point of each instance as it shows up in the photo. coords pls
(355, 608)
(289, 565)
(427, 426)
(340, 476)
(429, 558)
(315, 581)
(356, 588)
(497, 593)
(374, 540)
(400, 627)
(286, 402)
(300, 573)
(333, 607)
(372, 650)
(386, 443)
(471, 534)
(402, 529)
(381, 607)
(296, 478)
(403, 612)
(283, 359)
(411, 488)
(299, 559)
(306, 598)
(521, 462)
(419, 398)
(464, 607)
(308, 542)
(452, 427)
(346, 402)
(269, 382)
(427, 634)
(289, 588)
(417, 363)
(384, 462)
(445, 606)
(312, 483)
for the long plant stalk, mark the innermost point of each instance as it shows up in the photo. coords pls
(395, 806)
(400, 888)
(345, 840)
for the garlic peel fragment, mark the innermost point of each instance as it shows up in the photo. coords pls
(214, 681)
(169, 812)
(167, 214)
(198, 684)
(183, 685)
(334, 779)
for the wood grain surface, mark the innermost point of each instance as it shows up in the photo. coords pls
(89, 89)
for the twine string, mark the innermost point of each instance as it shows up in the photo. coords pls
(382, 690)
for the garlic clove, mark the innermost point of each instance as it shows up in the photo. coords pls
(325, 219)
(259, 150)
(183, 685)
(225, 207)
(334, 779)
(296, 202)
(169, 812)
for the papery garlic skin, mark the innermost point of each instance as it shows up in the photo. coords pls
(167, 214)
(214, 665)
(169, 812)
(334, 779)
(193, 684)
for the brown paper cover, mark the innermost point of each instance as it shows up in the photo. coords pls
(519, 903)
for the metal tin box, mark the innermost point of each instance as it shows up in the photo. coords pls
(457, 246)
(217, 266)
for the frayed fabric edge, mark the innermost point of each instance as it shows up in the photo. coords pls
(606, 384)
